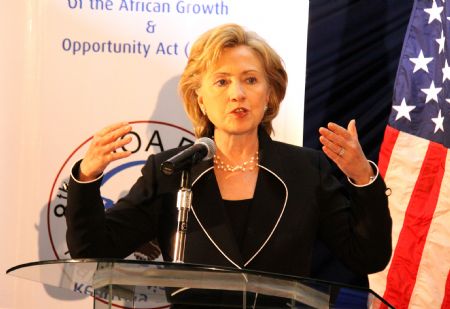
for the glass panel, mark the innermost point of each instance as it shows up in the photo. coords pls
(138, 284)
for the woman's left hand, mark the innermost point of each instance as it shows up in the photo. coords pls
(342, 146)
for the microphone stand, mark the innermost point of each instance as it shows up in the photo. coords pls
(184, 201)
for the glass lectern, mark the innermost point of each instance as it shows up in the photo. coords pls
(116, 283)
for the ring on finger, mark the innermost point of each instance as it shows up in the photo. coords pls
(341, 152)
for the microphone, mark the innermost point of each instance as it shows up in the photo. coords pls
(203, 148)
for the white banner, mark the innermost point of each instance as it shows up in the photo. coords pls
(68, 68)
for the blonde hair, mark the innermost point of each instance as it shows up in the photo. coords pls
(206, 51)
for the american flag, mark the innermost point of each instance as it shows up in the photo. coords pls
(415, 163)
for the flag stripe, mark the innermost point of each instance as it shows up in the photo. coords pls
(408, 253)
(429, 290)
(446, 301)
(401, 177)
(390, 137)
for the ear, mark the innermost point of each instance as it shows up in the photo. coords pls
(199, 96)
(269, 92)
(201, 105)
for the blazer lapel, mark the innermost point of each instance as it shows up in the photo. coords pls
(267, 209)
(208, 210)
(269, 200)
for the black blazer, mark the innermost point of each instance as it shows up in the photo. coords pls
(296, 201)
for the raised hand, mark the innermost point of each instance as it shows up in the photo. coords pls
(342, 146)
(101, 151)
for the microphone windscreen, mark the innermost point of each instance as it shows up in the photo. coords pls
(210, 145)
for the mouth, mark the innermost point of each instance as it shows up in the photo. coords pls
(239, 111)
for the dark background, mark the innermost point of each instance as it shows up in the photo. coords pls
(353, 53)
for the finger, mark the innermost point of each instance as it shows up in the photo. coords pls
(332, 136)
(112, 127)
(113, 135)
(332, 155)
(352, 128)
(338, 130)
(329, 144)
(121, 142)
(97, 162)
(114, 156)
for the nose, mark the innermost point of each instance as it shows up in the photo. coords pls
(236, 92)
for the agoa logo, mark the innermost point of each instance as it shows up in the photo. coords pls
(148, 137)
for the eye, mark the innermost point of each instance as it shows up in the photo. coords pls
(220, 82)
(251, 80)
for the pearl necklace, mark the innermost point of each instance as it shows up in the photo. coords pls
(247, 166)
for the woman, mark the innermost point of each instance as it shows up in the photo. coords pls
(259, 204)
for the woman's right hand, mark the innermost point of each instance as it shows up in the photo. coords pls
(101, 152)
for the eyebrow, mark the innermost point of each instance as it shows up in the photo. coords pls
(227, 74)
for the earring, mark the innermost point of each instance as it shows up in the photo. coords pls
(265, 108)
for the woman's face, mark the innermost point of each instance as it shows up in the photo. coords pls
(235, 92)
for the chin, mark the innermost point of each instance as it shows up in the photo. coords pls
(244, 131)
